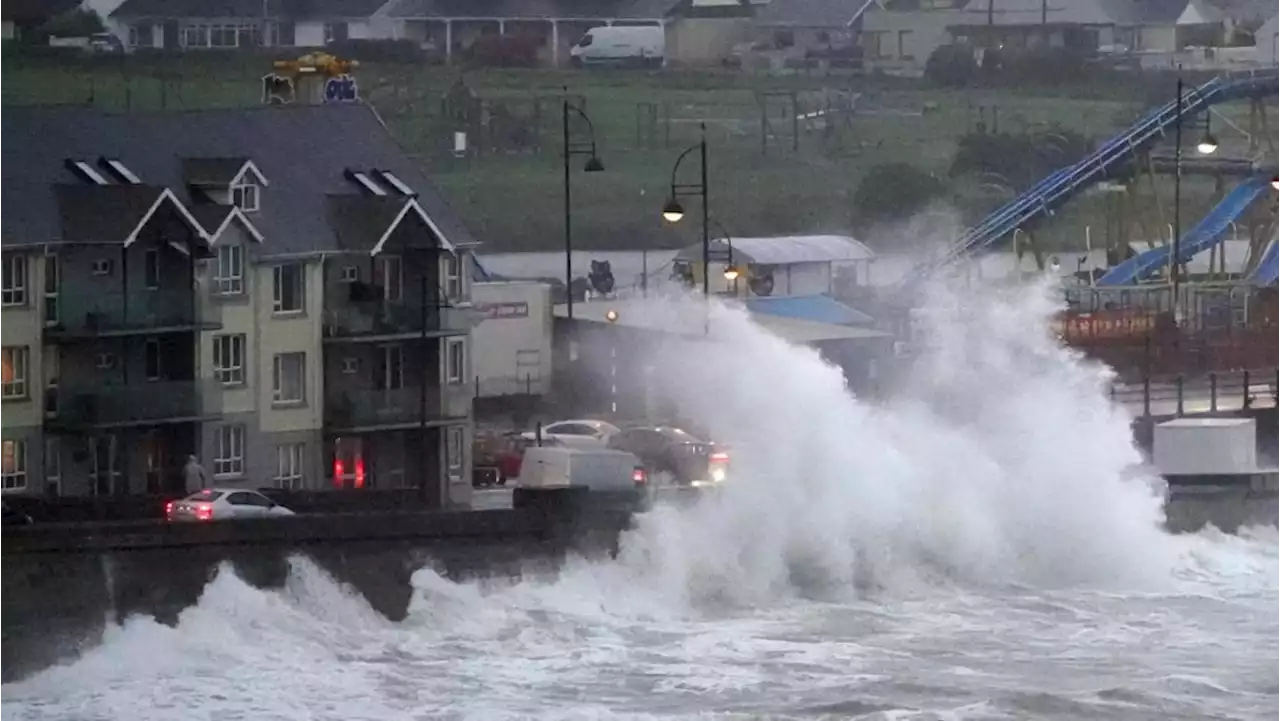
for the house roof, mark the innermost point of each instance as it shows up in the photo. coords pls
(302, 149)
(811, 13)
(1099, 12)
(783, 250)
(247, 8)
(211, 171)
(101, 213)
(532, 9)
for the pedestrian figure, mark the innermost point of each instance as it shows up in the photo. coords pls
(193, 475)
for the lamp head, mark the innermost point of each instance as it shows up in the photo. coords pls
(593, 164)
(611, 315)
(673, 211)
(731, 273)
(1275, 182)
(1208, 145)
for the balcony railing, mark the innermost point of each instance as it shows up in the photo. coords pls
(379, 318)
(402, 406)
(87, 405)
(86, 313)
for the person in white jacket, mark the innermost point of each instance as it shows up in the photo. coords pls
(193, 475)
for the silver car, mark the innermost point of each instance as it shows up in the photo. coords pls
(220, 504)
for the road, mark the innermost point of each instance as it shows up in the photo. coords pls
(489, 499)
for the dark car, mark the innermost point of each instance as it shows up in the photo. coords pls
(688, 459)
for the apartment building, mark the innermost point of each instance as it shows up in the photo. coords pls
(278, 291)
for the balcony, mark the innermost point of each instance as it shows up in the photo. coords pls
(378, 320)
(400, 408)
(87, 314)
(86, 405)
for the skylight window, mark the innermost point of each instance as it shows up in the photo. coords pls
(87, 172)
(397, 183)
(366, 182)
(123, 172)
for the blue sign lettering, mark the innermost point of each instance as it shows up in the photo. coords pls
(341, 89)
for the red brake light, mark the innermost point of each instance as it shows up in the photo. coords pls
(719, 457)
(337, 472)
(204, 511)
(168, 509)
(359, 472)
(639, 477)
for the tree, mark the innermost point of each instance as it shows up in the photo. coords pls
(76, 23)
(894, 191)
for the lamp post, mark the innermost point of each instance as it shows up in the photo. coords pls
(673, 211)
(593, 165)
(1208, 145)
(731, 272)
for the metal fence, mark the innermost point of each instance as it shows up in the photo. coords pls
(1199, 395)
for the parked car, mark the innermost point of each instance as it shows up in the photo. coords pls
(642, 46)
(221, 504)
(575, 433)
(687, 459)
(14, 517)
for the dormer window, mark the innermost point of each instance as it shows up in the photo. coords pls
(245, 197)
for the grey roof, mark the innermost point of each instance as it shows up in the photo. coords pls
(302, 150)
(98, 213)
(211, 171)
(811, 13)
(532, 9)
(247, 8)
(784, 250)
(1099, 12)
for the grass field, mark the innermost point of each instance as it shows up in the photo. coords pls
(513, 201)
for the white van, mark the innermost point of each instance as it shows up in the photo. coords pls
(642, 45)
(599, 469)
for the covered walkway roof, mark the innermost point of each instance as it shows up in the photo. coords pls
(782, 250)
(651, 315)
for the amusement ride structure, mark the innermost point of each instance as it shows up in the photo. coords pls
(1141, 314)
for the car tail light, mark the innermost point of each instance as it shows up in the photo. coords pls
(337, 472)
(639, 477)
(168, 510)
(204, 511)
(359, 472)
(719, 457)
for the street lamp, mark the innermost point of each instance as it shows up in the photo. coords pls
(593, 165)
(673, 211)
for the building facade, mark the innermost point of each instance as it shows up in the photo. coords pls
(278, 292)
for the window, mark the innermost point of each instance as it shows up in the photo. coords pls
(453, 451)
(289, 466)
(223, 36)
(151, 269)
(51, 284)
(103, 266)
(15, 281)
(904, 45)
(228, 451)
(390, 277)
(350, 366)
(105, 361)
(228, 279)
(245, 197)
(456, 366)
(14, 361)
(288, 378)
(195, 36)
(151, 358)
(52, 365)
(287, 288)
(349, 274)
(13, 465)
(335, 32)
(52, 465)
(452, 276)
(136, 33)
(389, 373)
(228, 359)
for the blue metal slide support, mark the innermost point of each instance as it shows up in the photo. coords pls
(1268, 267)
(1066, 182)
(1212, 228)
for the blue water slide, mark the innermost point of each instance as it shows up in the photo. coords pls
(1268, 267)
(1065, 183)
(1211, 229)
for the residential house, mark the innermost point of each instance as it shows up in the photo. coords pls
(275, 290)
(232, 24)
(451, 26)
(898, 36)
(806, 25)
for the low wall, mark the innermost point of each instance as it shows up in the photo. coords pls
(63, 583)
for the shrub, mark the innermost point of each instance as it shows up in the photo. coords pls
(78, 23)
(389, 51)
(894, 191)
(951, 66)
(505, 51)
